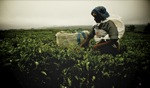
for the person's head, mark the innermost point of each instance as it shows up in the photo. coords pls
(99, 13)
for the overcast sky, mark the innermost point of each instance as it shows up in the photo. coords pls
(38, 13)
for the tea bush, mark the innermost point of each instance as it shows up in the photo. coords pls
(37, 62)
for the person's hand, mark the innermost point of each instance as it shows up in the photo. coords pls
(85, 43)
(99, 45)
(96, 46)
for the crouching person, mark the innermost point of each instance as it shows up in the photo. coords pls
(105, 31)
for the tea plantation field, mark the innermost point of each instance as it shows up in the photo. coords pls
(32, 59)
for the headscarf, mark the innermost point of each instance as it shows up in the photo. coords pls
(100, 10)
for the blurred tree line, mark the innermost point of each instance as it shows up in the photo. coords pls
(147, 29)
(132, 28)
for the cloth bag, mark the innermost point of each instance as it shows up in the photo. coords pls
(66, 39)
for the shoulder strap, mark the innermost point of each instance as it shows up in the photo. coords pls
(100, 26)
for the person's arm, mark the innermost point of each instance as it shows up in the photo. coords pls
(85, 43)
(110, 42)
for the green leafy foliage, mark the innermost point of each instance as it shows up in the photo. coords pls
(38, 62)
